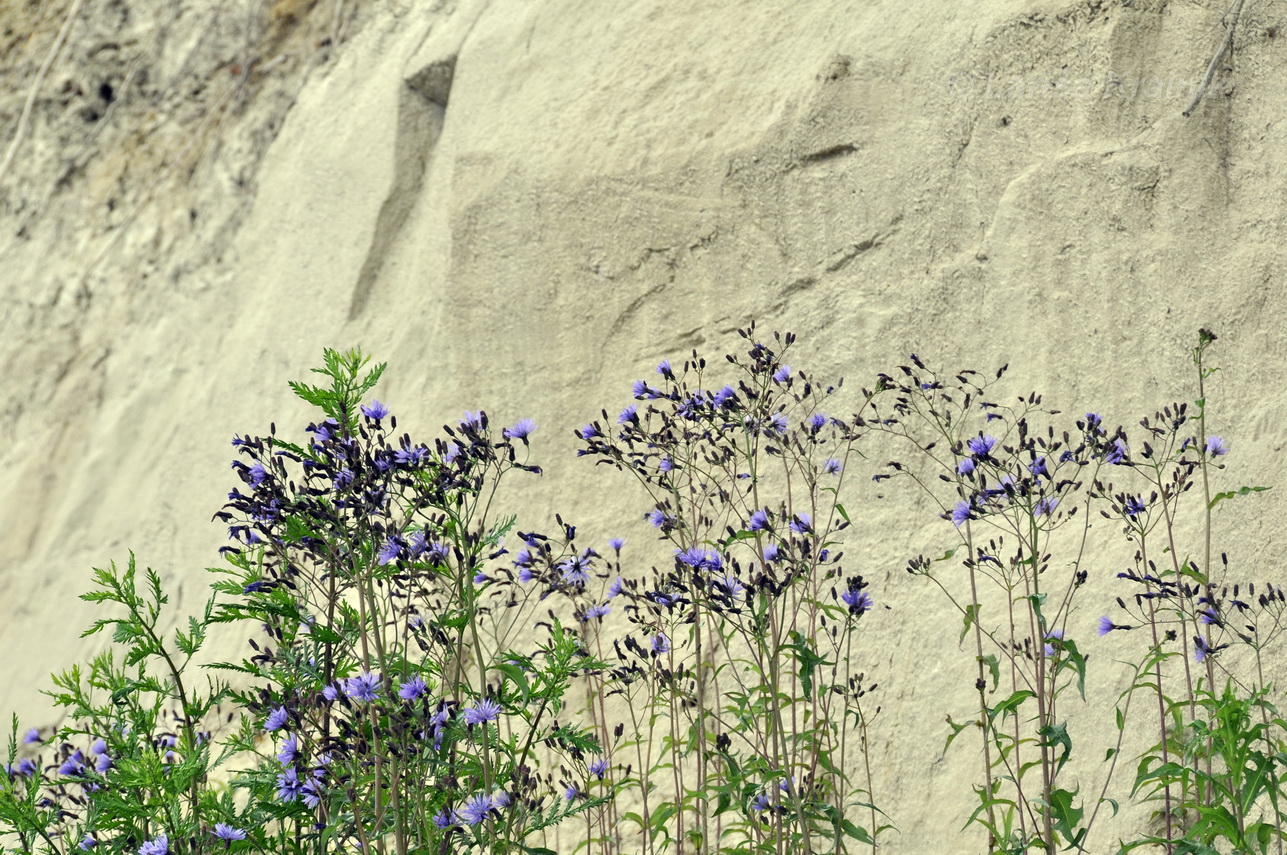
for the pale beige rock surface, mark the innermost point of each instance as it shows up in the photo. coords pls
(523, 207)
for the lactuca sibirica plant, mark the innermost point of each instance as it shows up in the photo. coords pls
(131, 770)
(740, 663)
(423, 675)
(390, 702)
(1009, 486)
(1021, 498)
(398, 705)
(1217, 766)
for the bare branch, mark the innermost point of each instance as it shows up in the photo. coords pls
(1226, 45)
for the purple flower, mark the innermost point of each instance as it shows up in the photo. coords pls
(1045, 506)
(858, 602)
(343, 478)
(24, 768)
(576, 570)
(761, 802)
(102, 763)
(1092, 421)
(412, 689)
(759, 520)
(1133, 506)
(662, 599)
(597, 611)
(817, 421)
(1118, 453)
(656, 517)
(500, 800)
(660, 643)
(778, 423)
(1216, 446)
(771, 552)
(522, 430)
(1052, 636)
(981, 446)
(276, 719)
(73, 765)
(389, 552)
(99, 746)
(472, 420)
(288, 785)
(599, 767)
(411, 456)
(731, 586)
(289, 752)
(666, 465)
(436, 553)
(801, 524)
(664, 369)
(724, 396)
(588, 432)
(363, 687)
(375, 410)
(475, 810)
(628, 415)
(331, 693)
(616, 543)
(159, 846)
(1106, 626)
(525, 575)
(1208, 616)
(88, 843)
(223, 830)
(33, 735)
(961, 512)
(1038, 468)
(482, 711)
(443, 819)
(571, 792)
(1201, 650)
(700, 559)
(832, 466)
(966, 466)
(480, 577)
(782, 375)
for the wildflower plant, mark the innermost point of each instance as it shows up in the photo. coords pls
(423, 675)
(740, 662)
(1008, 487)
(375, 567)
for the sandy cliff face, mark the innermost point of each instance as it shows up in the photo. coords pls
(523, 207)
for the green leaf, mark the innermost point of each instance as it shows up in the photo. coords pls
(808, 660)
(516, 674)
(1065, 817)
(1241, 491)
(1077, 660)
(1056, 735)
(971, 615)
(1010, 704)
(856, 832)
(994, 665)
(956, 731)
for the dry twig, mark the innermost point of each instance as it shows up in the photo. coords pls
(1226, 45)
(25, 119)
